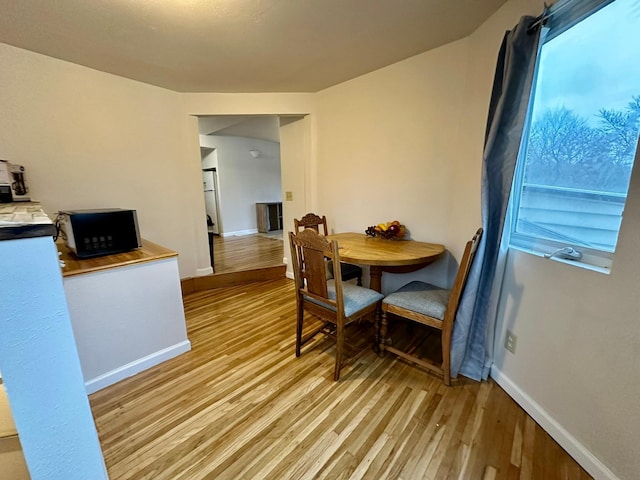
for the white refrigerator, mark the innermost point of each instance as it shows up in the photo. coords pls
(210, 183)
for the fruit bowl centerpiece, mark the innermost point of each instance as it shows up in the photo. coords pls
(390, 230)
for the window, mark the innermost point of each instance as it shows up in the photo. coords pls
(581, 136)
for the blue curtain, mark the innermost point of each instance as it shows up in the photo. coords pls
(472, 340)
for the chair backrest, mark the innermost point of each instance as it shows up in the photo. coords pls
(311, 220)
(461, 277)
(308, 252)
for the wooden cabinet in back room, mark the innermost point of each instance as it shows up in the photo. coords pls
(269, 216)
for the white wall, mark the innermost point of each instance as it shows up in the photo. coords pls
(297, 175)
(244, 180)
(126, 320)
(286, 104)
(89, 140)
(388, 147)
(387, 144)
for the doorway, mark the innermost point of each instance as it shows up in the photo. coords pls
(241, 167)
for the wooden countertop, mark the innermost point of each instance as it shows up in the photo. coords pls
(148, 252)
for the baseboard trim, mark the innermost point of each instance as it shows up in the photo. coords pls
(239, 233)
(136, 366)
(201, 272)
(574, 448)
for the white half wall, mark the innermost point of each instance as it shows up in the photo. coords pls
(40, 366)
(126, 319)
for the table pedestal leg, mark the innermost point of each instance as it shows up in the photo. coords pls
(375, 281)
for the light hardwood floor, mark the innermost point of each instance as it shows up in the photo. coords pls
(240, 405)
(247, 252)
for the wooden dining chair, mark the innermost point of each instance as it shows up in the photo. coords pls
(428, 305)
(335, 303)
(311, 220)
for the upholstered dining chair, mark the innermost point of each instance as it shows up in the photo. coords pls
(335, 303)
(311, 220)
(428, 305)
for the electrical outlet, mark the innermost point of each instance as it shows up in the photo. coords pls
(510, 341)
(288, 196)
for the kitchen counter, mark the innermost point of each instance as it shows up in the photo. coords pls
(24, 220)
(126, 311)
(75, 266)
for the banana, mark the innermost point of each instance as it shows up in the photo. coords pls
(382, 226)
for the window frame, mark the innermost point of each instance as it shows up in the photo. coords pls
(557, 19)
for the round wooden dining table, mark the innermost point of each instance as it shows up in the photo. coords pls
(381, 255)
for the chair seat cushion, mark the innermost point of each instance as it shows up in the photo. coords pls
(422, 298)
(355, 298)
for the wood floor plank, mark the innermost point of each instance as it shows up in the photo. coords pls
(247, 252)
(449, 466)
(240, 405)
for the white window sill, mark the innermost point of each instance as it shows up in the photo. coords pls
(587, 265)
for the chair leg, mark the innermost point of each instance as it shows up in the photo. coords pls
(299, 324)
(339, 347)
(446, 356)
(382, 334)
(446, 373)
(376, 324)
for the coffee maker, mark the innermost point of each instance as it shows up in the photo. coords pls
(18, 186)
(5, 183)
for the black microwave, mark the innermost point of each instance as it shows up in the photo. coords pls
(93, 233)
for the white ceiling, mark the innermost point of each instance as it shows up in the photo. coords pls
(238, 45)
